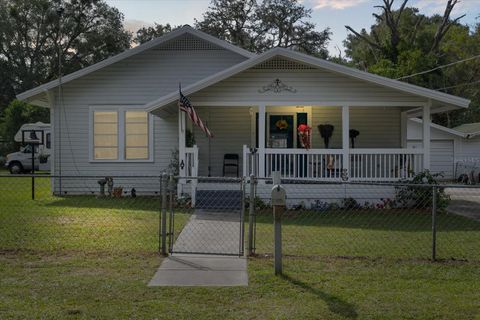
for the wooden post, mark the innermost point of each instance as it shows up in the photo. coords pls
(346, 139)
(163, 218)
(261, 140)
(426, 135)
(181, 150)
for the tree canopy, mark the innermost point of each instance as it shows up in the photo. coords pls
(260, 26)
(403, 42)
(33, 33)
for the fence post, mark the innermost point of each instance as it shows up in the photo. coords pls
(434, 223)
(163, 219)
(251, 215)
(171, 226)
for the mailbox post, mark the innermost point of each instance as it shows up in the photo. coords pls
(278, 204)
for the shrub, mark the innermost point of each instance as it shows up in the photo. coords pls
(419, 193)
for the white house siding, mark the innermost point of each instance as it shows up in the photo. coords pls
(311, 85)
(133, 81)
(232, 128)
(384, 133)
(459, 149)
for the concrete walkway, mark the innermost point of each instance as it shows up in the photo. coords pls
(211, 232)
(215, 234)
(201, 270)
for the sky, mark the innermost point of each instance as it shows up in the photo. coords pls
(334, 14)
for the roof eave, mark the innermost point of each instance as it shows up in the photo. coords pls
(130, 52)
(454, 101)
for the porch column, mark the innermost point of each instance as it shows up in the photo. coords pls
(426, 135)
(181, 149)
(403, 129)
(346, 138)
(261, 140)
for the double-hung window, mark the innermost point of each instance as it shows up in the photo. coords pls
(120, 134)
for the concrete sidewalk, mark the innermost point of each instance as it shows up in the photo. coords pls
(210, 232)
(201, 270)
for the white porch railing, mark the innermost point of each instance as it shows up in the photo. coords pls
(191, 161)
(385, 164)
(191, 170)
(327, 164)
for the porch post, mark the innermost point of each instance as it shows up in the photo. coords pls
(403, 129)
(261, 140)
(181, 149)
(346, 139)
(426, 135)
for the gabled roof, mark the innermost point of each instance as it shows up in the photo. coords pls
(456, 102)
(471, 129)
(467, 130)
(130, 52)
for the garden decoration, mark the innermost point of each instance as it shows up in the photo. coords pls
(326, 131)
(304, 133)
(281, 124)
(353, 134)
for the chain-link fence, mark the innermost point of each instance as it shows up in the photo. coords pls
(374, 220)
(87, 214)
(211, 216)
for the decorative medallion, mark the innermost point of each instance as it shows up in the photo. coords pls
(277, 86)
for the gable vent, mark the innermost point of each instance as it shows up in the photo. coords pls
(282, 64)
(187, 42)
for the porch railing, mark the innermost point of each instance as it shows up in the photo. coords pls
(385, 164)
(327, 164)
(191, 170)
(191, 161)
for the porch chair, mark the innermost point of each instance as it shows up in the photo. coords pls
(231, 163)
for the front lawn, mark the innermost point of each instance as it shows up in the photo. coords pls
(83, 257)
(78, 286)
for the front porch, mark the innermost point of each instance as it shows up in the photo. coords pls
(380, 152)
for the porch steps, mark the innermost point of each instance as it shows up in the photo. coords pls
(219, 199)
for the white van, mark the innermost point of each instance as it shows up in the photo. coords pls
(21, 161)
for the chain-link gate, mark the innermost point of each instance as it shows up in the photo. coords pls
(207, 216)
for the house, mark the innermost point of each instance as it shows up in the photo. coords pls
(120, 116)
(454, 151)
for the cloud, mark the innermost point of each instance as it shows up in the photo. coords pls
(438, 6)
(335, 4)
(133, 25)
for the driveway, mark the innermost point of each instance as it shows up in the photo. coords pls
(465, 202)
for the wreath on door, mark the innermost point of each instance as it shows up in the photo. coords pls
(281, 124)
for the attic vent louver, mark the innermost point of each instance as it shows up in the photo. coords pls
(187, 42)
(282, 64)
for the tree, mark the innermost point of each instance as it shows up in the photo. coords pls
(18, 113)
(146, 34)
(404, 42)
(230, 20)
(259, 27)
(284, 23)
(32, 34)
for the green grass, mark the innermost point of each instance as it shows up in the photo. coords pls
(77, 223)
(371, 233)
(114, 287)
(79, 257)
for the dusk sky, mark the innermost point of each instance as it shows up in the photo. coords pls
(326, 13)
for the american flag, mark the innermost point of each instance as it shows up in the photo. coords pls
(187, 107)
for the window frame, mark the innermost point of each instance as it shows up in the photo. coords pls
(121, 111)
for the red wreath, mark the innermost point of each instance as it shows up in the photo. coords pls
(304, 133)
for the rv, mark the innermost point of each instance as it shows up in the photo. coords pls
(21, 161)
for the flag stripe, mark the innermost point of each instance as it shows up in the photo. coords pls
(185, 106)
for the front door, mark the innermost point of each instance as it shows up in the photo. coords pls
(281, 131)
